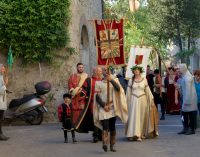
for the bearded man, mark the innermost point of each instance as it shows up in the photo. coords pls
(75, 84)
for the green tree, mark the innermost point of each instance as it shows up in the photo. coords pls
(176, 20)
(138, 26)
(34, 28)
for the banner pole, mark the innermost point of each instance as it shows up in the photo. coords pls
(108, 84)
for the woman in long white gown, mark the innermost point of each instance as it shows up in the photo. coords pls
(142, 113)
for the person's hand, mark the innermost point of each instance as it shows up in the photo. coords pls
(108, 77)
(81, 106)
(176, 101)
(176, 86)
(3, 88)
(79, 91)
(6, 80)
(106, 108)
(72, 92)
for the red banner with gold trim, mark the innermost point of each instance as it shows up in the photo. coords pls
(109, 42)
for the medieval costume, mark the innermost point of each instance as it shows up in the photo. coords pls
(65, 115)
(189, 105)
(3, 105)
(143, 115)
(75, 84)
(158, 94)
(85, 123)
(117, 106)
(123, 81)
(150, 77)
(171, 106)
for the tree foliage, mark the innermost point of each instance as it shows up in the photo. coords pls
(34, 29)
(176, 20)
(160, 23)
(137, 26)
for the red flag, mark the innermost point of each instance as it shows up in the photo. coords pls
(138, 59)
(109, 42)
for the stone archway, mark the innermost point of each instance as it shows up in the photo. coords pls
(84, 48)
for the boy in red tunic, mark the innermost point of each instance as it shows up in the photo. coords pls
(65, 116)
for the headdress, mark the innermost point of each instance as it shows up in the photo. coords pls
(137, 67)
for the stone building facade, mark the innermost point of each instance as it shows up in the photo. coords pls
(22, 79)
(82, 30)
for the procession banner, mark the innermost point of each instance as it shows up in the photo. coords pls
(109, 42)
(138, 56)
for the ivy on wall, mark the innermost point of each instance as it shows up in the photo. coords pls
(34, 28)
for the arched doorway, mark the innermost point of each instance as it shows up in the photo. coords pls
(84, 48)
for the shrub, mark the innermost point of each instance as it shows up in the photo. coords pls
(34, 28)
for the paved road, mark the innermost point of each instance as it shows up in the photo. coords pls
(47, 141)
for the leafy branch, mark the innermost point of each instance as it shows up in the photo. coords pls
(35, 29)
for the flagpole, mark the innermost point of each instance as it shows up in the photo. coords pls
(108, 85)
(9, 65)
(108, 26)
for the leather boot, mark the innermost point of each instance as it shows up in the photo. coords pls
(74, 140)
(73, 136)
(105, 140)
(183, 131)
(95, 135)
(65, 136)
(66, 140)
(162, 117)
(190, 132)
(3, 137)
(112, 141)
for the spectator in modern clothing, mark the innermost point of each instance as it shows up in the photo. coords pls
(197, 87)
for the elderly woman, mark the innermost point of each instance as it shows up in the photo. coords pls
(142, 112)
(3, 105)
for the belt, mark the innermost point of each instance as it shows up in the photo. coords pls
(138, 96)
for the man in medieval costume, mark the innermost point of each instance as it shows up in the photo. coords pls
(85, 122)
(75, 84)
(3, 105)
(107, 107)
(189, 104)
(158, 95)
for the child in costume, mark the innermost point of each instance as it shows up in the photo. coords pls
(65, 115)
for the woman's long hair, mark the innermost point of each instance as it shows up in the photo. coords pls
(133, 78)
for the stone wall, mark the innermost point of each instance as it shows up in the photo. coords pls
(22, 79)
(83, 12)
